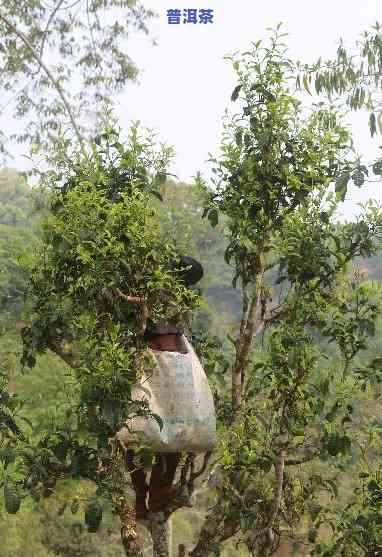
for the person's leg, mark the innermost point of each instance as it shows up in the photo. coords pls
(162, 476)
(138, 478)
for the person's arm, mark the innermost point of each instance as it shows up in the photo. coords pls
(141, 300)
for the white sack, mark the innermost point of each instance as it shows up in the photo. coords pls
(177, 390)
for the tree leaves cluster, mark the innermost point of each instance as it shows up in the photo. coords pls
(60, 64)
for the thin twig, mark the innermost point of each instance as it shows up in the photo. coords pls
(45, 32)
(303, 460)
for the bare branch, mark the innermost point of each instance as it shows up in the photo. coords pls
(144, 309)
(216, 529)
(203, 468)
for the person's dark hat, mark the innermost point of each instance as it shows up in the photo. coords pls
(191, 271)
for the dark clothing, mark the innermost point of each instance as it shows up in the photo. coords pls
(160, 489)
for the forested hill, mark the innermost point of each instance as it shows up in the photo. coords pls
(372, 267)
(18, 234)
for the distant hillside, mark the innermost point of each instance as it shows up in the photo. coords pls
(372, 266)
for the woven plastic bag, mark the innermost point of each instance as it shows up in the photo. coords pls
(177, 390)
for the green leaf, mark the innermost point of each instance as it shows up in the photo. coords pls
(12, 499)
(239, 137)
(312, 535)
(377, 168)
(306, 85)
(236, 92)
(333, 412)
(338, 444)
(379, 122)
(264, 464)
(7, 456)
(358, 178)
(120, 148)
(324, 386)
(341, 184)
(93, 516)
(219, 377)
(314, 511)
(324, 217)
(75, 506)
(372, 124)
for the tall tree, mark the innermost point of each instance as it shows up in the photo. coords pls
(273, 182)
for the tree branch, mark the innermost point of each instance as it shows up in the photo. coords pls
(45, 32)
(303, 460)
(279, 471)
(216, 529)
(131, 541)
(137, 300)
(253, 321)
(54, 81)
(203, 468)
(65, 351)
(128, 298)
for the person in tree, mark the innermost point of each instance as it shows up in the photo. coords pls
(162, 336)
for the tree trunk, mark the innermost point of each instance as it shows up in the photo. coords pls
(160, 529)
(216, 529)
(248, 327)
(212, 535)
(133, 547)
(131, 541)
(263, 541)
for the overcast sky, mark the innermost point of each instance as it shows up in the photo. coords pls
(186, 84)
